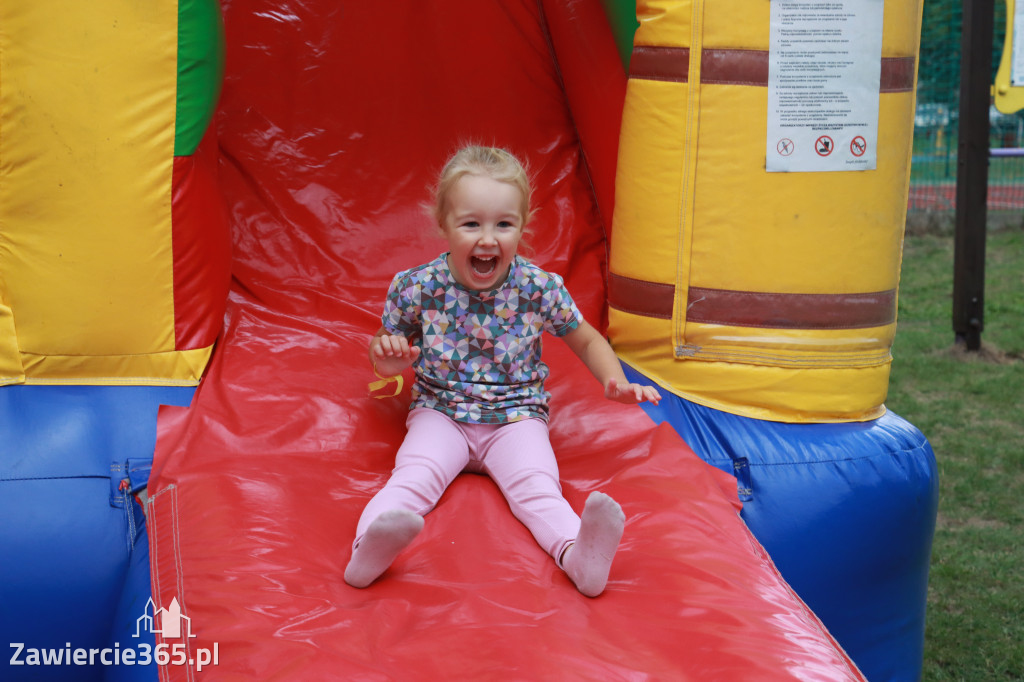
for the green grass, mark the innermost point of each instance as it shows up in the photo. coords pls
(971, 408)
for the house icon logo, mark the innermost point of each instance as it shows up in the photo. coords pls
(165, 622)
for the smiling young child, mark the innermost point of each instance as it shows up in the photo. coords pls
(470, 324)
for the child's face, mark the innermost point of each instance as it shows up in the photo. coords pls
(483, 228)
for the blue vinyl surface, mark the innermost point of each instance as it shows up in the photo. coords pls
(72, 542)
(847, 513)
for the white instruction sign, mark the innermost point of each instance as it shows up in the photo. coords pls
(824, 68)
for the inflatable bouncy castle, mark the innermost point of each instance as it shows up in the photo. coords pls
(201, 207)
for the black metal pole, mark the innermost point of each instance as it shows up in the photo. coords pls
(972, 172)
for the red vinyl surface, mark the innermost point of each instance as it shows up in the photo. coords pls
(335, 118)
(202, 247)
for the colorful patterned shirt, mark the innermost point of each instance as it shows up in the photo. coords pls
(480, 361)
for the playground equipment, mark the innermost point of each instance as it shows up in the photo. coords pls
(333, 121)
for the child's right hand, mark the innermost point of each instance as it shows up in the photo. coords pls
(392, 354)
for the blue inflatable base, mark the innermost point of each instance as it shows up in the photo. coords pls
(74, 573)
(847, 513)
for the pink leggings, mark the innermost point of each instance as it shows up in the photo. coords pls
(517, 456)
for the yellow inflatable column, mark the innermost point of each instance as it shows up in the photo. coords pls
(87, 144)
(765, 294)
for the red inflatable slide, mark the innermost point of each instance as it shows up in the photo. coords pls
(334, 120)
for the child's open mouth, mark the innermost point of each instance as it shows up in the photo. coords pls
(484, 266)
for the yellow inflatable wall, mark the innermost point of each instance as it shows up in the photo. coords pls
(95, 170)
(765, 294)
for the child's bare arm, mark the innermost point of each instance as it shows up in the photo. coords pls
(391, 354)
(600, 359)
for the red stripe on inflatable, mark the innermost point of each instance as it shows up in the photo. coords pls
(754, 308)
(734, 67)
(898, 74)
(648, 299)
(721, 66)
(791, 311)
(654, 63)
(202, 248)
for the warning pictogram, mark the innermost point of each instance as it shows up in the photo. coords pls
(858, 146)
(823, 145)
(785, 146)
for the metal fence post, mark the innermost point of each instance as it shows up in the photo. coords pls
(972, 172)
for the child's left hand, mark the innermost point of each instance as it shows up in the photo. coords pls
(631, 393)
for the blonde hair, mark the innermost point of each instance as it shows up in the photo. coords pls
(491, 162)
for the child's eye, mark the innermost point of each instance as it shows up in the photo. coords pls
(471, 223)
(506, 223)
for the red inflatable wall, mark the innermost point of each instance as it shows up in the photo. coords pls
(334, 120)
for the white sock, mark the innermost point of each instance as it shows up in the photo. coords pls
(389, 534)
(589, 559)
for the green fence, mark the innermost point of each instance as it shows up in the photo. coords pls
(933, 168)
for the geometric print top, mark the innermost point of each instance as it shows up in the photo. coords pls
(480, 350)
